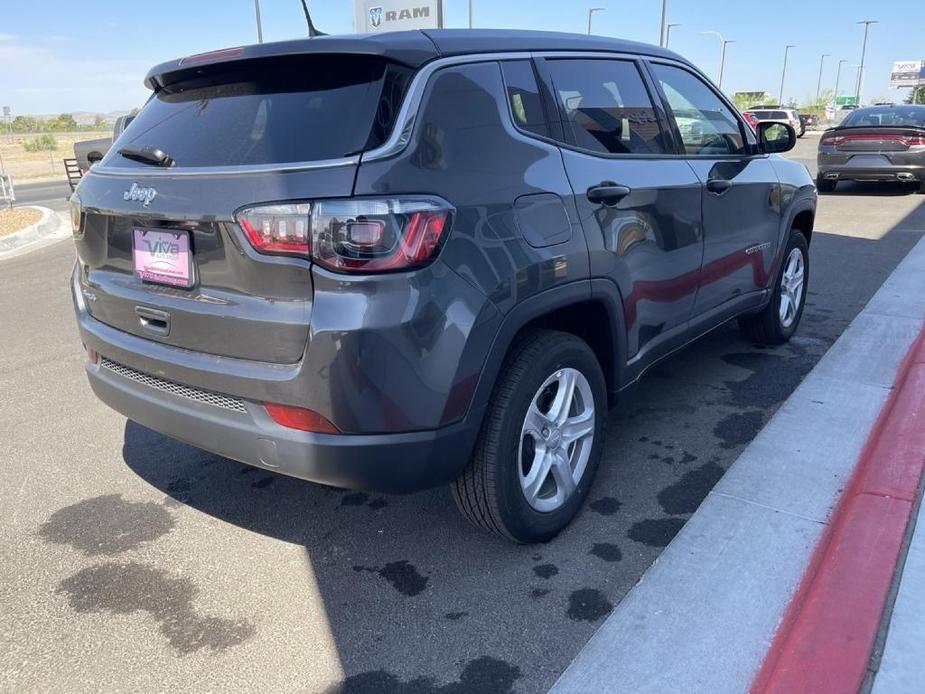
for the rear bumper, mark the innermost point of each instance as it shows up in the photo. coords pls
(394, 463)
(895, 172)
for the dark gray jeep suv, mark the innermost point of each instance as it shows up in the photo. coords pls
(397, 261)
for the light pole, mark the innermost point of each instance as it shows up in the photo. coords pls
(783, 73)
(819, 83)
(666, 29)
(668, 33)
(470, 14)
(838, 77)
(591, 14)
(722, 53)
(259, 27)
(857, 91)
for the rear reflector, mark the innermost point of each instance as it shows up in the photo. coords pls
(300, 418)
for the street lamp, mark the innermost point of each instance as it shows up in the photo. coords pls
(259, 27)
(838, 77)
(857, 90)
(470, 14)
(666, 28)
(591, 14)
(668, 32)
(819, 83)
(722, 54)
(783, 73)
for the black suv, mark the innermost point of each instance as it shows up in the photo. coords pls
(397, 261)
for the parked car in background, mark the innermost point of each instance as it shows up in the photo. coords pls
(807, 121)
(778, 114)
(751, 119)
(89, 152)
(878, 143)
(430, 257)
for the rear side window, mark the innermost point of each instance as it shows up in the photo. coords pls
(605, 106)
(707, 126)
(301, 108)
(524, 97)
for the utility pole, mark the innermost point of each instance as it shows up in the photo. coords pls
(259, 27)
(783, 73)
(838, 76)
(668, 33)
(819, 83)
(663, 36)
(591, 14)
(722, 54)
(857, 91)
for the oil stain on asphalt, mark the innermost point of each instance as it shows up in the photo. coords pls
(685, 495)
(656, 532)
(606, 506)
(588, 605)
(125, 588)
(107, 525)
(402, 575)
(739, 428)
(485, 674)
(607, 551)
(546, 571)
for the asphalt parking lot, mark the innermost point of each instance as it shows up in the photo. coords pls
(130, 561)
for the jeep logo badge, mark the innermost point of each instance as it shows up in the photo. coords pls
(140, 194)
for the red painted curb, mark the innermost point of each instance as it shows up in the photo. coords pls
(825, 639)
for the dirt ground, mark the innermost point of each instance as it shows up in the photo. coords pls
(23, 165)
(17, 218)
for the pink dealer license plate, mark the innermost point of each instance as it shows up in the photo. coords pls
(162, 257)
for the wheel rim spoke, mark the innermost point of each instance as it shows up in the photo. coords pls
(577, 427)
(539, 471)
(562, 473)
(562, 404)
(791, 287)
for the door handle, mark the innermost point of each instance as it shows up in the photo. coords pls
(607, 193)
(719, 185)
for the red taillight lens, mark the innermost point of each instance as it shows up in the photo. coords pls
(362, 235)
(212, 56)
(831, 140)
(300, 418)
(377, 235)
(277, 229)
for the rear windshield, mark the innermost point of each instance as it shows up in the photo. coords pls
(770, 115)
(895, 117)
(302, 108)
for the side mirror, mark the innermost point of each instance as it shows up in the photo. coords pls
(774, 138)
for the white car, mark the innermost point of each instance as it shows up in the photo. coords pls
(772, 114)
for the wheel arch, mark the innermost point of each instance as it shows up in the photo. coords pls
(591, 310)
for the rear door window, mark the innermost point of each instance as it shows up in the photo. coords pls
(706, 125)
(605, 106)
(301, 108)
(524, 97)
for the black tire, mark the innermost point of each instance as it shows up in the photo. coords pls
(488, 493)
(825, 186)
(767, 328)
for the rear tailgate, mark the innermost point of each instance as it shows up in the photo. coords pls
(240, 134)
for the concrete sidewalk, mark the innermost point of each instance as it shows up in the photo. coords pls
(706, 615)
(902, 666)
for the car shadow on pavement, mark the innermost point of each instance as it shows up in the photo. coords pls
(419, 601)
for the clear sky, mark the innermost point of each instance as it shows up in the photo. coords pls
(58, 55)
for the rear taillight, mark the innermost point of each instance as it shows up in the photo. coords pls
(831, 140)
(300, 418)
(907, 140)
(277, 228)
(363, 235)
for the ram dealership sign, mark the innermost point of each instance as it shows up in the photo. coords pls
(376, 16)
(908, 73)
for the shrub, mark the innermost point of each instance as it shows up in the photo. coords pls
(43, 143)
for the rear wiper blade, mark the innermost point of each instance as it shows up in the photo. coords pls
(148, 155)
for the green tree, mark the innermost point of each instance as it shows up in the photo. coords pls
(916, 96)
(42, 143)
(817, 105)
(745, 100)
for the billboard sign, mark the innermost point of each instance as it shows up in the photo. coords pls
(377, 16)
(907, 73)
